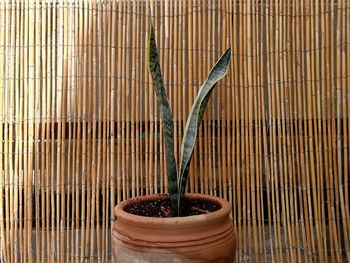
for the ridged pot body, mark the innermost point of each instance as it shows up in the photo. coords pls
(200, 238)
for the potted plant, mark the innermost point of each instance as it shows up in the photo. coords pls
(176, 227)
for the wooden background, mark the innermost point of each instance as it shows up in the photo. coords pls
(80, 129)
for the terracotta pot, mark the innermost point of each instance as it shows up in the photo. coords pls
(200, 238)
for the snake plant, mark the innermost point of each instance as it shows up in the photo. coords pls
(177, 178)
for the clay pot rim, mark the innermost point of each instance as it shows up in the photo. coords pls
(209, 218)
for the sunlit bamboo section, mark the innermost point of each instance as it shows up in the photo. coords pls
(80, 130)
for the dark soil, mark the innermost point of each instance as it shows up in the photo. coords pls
(161, 208)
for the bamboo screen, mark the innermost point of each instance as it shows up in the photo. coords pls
(80, 129)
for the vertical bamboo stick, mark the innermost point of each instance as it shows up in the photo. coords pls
(25, 146)
(84, 124)
(258, 121)
(259, 138)
(118, 100)
(77, 57)
(334, 137)
(285, 107)
(106, 109)
(43, 174)
(108, 136)
(2, 78)
(298, 127)
(337, 161)
(134, 85)
(224, 95)
(207, 119)
(36, 153)
(93, 113)
(144, 77)
(196, 46)
(31, 116)
(253, 144)
(234, 82)
(176, 80)
(21, 162)
(101, 95)
(227, 42)
(250, 149)
(149, 129)
(243, 128)
(198, 161)
(90, 127)
(6, 121)
(212, 118)
(247, 118)
(237, 76)
(37, 119)
(154, 170)
(61, 108)
(11, 113)
(268, 121)
(52, 36)
(190, 42)
(290, 77)
(58, 79)
(324, 83)
(308, 112)
(96, 250)
(201, 144)
(166, 73)
(78, 174)
(162, 26)
(126, 97)
(294, 36)
(316, 123)
(207, 161)
(265, 121)
(182, 78)
(329, 182)
(53, 120)
(18, 151)
(112, 178)
(219, 101)
(69, 122)
(138, 99)
(255, 184)
(7, 130)
(276, 130)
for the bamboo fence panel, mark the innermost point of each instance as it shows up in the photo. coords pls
(80, 130)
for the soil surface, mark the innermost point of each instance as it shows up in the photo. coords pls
(161, 208)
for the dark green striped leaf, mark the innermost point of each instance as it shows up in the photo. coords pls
(196, 114)
(166, 115)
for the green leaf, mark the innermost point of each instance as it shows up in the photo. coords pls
(166, 115)
(196, 115)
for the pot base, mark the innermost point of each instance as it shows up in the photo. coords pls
(124, 254)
